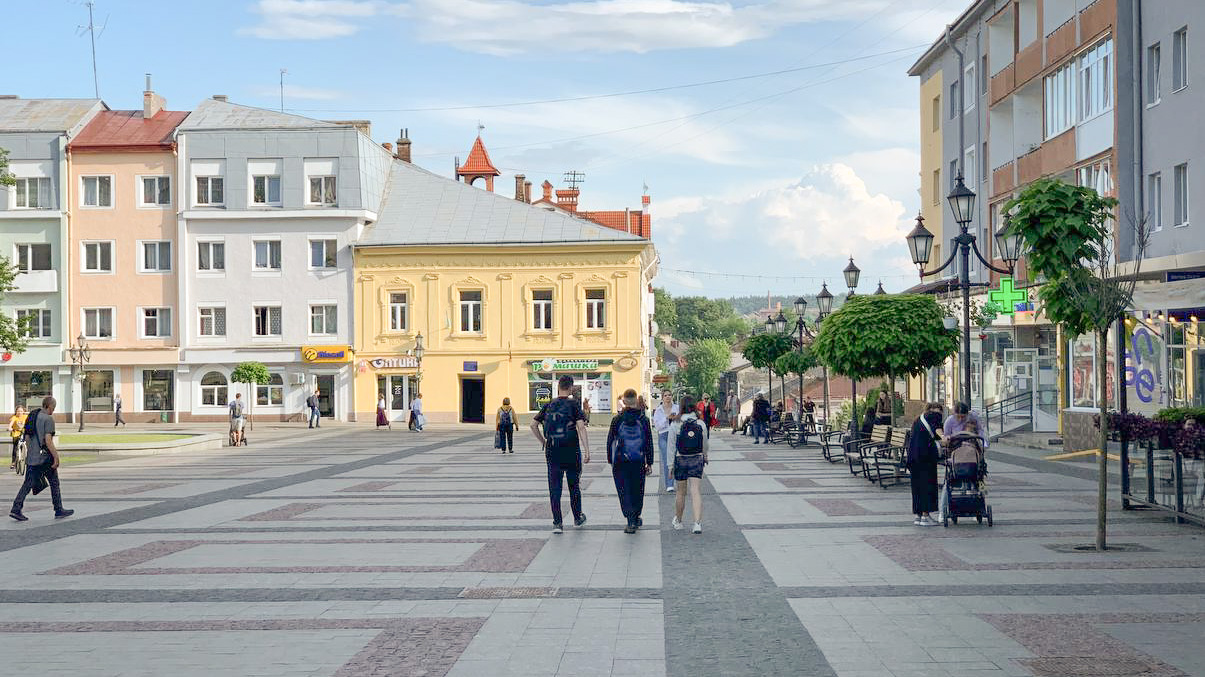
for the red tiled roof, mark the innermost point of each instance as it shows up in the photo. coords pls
(638, 223)
(478, 162)
(127, 129)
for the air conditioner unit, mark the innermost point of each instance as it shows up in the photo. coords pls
(298, 379)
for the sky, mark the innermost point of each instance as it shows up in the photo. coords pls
(776, 138)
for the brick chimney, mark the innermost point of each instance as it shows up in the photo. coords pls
(527, 192)
(387, 146)
(520, 196)
(547, 186)
(219, 97)
(567, 199)
(152, 103)
(403, 145)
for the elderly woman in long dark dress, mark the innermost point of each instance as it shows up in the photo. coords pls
(924, 451)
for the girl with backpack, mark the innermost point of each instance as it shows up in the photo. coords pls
(630, 453)
(505, 425)
(689, 437)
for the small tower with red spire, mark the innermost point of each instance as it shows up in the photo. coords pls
(478, 166)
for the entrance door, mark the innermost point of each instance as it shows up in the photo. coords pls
(326, 395)
(472, 400)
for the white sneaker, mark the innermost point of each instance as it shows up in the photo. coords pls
(677, 524)
(918, 522)
(929, 522)
(669, 489)
(697, 529)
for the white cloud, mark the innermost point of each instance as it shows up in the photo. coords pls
(299, 92)
(310, 19)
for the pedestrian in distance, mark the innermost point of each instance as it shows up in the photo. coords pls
(882, 409)
(382, 415)
(924, 452)
(663, 416)
(560, 428)
(237, 420)
(734, 411)
(505, 424)
(690, 455)
(761, 418)
(16, 428)
(707, 413)
(630, 453)
(416, 412)
(315, 413)
(809, 414)
(43, 462)
(117, 419)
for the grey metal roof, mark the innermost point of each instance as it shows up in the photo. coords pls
(214, 114)
(44, 115)
(426, 209)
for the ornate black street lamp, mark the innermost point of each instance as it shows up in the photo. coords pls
(770, 325)
(824, 303)
(852, 273)
(80, 355)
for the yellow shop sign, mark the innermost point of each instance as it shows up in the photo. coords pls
(325, 354)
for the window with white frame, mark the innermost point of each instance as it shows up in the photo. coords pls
(968, 87)
(596, 309)
(399, 312)
(33, 257)
(36, 322)
(156, 191)
(322, 190)
(213, 389)
(97, 191)
(267, 321)
(271, 393)
(1180, 214)
(156, 257)
(1180, 59)
(936, 113)
(320, 180)
(1153, 66)
(211, 321)
(1096, 81)
(98, 323)
(211, 256)
(1059, 103)
(541, 306)
(955, 100)
(267, 254)
(970, 164)
(1097, 176)
(324, 319)
(954, 174)
(98, 257)
(1154, 200)
(32, 193)
(156, 322)
(265, 190)
(211, 191)
(323, 254)
(470, 311)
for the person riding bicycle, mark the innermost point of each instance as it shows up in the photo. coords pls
(16, 429)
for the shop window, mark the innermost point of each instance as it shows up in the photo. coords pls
(1082, 376)
(540, 392)
(98, 390)
(157, 390)
(271, 393)
(30, 387)
(213, 389)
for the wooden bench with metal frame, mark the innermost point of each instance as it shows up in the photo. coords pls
(888, 462)
(857, 449)
(832, 445)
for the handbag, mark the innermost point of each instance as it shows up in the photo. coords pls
(497, 439)
(40, 484)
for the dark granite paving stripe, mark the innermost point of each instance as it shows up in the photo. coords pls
(723, 613)
(1057, 468)
(215, 595)
(999, 590)
(84, 524)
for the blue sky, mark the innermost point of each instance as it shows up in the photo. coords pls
(785, 175)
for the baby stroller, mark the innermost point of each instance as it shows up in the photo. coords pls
(964, 493)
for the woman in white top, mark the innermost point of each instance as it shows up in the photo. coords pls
(382, 415)
(689, 438)
(665, 414)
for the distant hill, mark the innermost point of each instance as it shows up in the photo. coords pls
(743, 305)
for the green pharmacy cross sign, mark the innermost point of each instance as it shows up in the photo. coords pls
(1007, 297)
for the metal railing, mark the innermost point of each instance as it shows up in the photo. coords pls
(1010, 408)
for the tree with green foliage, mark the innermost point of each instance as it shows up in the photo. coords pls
(1067, 236)
(887, 335)
(796, 363)
(763, 350)
(705, 361)
(665, 312)
(6, 177)
(701, 318)
(14, 334)
(252, 374)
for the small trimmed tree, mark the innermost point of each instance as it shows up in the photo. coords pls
(885, 335)
(763, 349)
(252, 374)
(795, 362)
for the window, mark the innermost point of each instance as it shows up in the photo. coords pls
(29, 387)
(936, 186)
(983, 74)
(968, 87)
(98, 191)
(954, 174)
(1180, 59)
(323, 254)
(33, 193)
(98, 323)
(1096, 81)
(323, 319)
(596, 308)
(156, 257)
(272, 393)
(399, 319)
(983, 168)
(210, 191)
(213, 389)
(322, 190)
(541, 305)
(33, 257)
(1154, 200)
(1153, 86)
(954, 99)
(267, 254)
(211, 321)
(211, 256)
(470, 311)
(157, 389)
(265, 190)
(267, 321)
(1097, 176)
(1181, 195)
(97, 389)
(156, 322)
(1059, 103)
(36, 322)
(156, 191)
(937, 113)
(970, 165)
(98, 257)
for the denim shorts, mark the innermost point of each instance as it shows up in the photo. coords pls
(688, 466)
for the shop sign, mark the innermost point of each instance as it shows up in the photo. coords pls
(470, 366)
(661, 378)
(1009, 299)
(404, 362)
(552, 364)
(325, 354)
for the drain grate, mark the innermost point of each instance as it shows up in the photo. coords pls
(1090, 549)
(507, 593)
(1088, 667)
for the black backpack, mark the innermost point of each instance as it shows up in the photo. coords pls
(504, 420)
(560, 426)
(690, 437)
(31, 425)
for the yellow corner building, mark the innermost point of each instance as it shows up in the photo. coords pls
(503, 297)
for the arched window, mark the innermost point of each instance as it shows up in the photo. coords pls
(213, 389)
(272, 392)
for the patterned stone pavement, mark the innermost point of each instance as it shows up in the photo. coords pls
(362, 553)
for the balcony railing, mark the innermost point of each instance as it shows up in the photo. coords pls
(37, 282)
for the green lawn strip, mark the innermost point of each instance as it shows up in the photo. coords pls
(80, 459)
(118, 438)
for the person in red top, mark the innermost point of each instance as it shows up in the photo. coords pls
(706, 411)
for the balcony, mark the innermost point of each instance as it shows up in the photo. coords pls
(1003, 179)
(1029, 62)
(1096, 19)
(36, 282)
(1060, 43)
(1002, 84)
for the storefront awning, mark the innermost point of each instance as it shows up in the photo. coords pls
(1159, 296)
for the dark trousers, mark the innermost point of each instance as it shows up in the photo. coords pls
(315, 417)
(508, 438)
(629, 483)
(32, 476)
(572, 472)
(117, 419)
(16, 441)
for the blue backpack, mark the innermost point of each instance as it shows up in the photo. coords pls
(629, 443)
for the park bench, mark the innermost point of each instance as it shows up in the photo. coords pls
(889, 462)
(832, 445)
(856, 449)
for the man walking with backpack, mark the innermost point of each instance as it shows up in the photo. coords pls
(630, 453)
(43, 461)
(315, 413)
(560, 428)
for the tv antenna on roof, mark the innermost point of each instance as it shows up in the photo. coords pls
(574, 178)
(91, 29)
